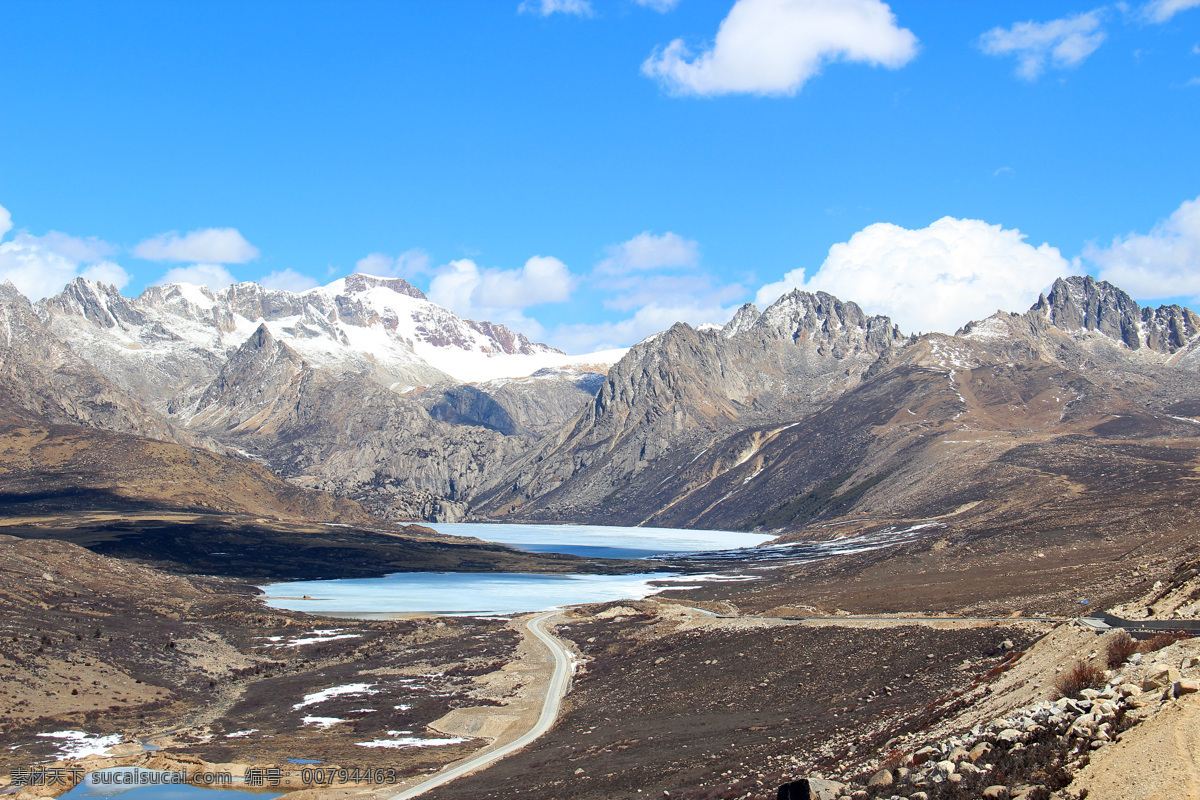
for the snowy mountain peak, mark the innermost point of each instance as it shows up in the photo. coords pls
(177, 335)
(360, 282)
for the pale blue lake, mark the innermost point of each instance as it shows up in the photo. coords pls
(511, 593)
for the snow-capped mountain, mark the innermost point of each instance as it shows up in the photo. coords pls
(174, 338)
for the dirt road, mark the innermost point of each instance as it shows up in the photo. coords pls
(555, 692)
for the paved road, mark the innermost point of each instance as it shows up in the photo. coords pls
(554, 695)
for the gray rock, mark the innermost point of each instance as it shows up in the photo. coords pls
(1009, 735)
(881, 779)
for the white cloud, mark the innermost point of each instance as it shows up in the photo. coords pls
(106, 272)
(497, 295)
(1160, 11)
(208, 245)
(40, 266)
(1064, 43)
(772, 47)
(647, 251)
(1162, 263)
(661, 6)
(581, 8)
(288, 280)
(406, 265)
(932, 279)
(214, 276)
(651, 318)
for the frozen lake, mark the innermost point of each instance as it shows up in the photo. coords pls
(509, 593)
(602, 541)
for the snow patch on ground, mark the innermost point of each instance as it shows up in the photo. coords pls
(409, 741)
(322, 722)
(78, 744)
(350, 689)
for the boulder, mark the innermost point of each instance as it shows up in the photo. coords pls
(1160, 676)
(923, 755)
(995, 792)
(979, 751)
(881, 779)
(945, 768)
(1185, 686)
(1009, 735)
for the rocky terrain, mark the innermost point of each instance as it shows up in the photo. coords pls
(809, 411)
(99, 652)
(356, 388)
(800, 413)
(976, 492)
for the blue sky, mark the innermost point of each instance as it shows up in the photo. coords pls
(590, 171)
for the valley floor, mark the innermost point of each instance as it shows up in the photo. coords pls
(703, 693)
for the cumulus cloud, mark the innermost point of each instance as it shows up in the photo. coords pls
(499, 294)
(406, 265)
(106, 272)
(772, 47)
(214, 276)
(208, 245)
(661, 6)
(1160, 11)
(935, 278)
(544, 8)
(40, 266)
(651, 318)
(647, 251)
(1162, 263)
(288, 280)
(657, 281)
(1061, 43)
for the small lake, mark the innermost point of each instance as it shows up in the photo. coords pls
(601, 541)
(511, 593)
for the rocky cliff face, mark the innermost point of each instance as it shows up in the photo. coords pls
(1085, 304)
(676, 393)
(314, 383)
(344, 433)
(42, 375)
(811, 409)
(803, 410)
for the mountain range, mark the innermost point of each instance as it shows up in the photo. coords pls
(807, 411)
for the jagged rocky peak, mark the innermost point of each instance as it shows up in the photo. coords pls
(360, 282)
(257, 373)
(1081, 303)
(743, 320)
(824, 320)
(100, 303)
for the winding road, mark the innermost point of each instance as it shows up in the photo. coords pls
(555, 692)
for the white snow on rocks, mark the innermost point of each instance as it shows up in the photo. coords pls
(78, 744)
(349, 689)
